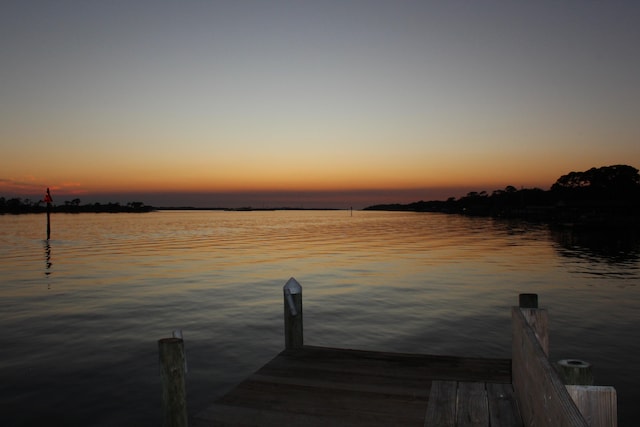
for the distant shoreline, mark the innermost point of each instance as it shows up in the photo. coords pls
(246, 209)
(116, 208)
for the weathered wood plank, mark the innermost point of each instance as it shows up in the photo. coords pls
(538, 320)
(472, 410)
(376, 376)
(459, 404)
(375, 408)
(503, 406)
(597, 404)
(240, 416)
(543, 398)
(395, 364)
(441, 410)
(356, 387)
(360, 383)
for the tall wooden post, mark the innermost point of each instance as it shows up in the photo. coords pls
(48, 200)
(174, 399)
(293, 337)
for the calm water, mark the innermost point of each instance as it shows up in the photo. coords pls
(82, 313)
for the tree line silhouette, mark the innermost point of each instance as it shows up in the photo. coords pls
(608, 195)
(17, 205)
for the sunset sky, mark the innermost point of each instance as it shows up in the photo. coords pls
(322, 103)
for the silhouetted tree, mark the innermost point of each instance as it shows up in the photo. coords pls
(609, 195)
(17, 205)
(596, 183)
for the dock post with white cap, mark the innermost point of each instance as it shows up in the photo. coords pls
(293, 337)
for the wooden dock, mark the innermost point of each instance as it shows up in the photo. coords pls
(319, 386)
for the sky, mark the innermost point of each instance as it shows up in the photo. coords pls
(332, 103)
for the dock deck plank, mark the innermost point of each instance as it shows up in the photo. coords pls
(503, 405)
(472, 406)
(441, 409)
(328, 386)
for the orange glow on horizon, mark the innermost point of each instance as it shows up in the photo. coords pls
(344, 181)
(284, 179)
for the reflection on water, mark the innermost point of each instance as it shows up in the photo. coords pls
(427, 283)
(605, 252)
(47, 257)
(616, 245)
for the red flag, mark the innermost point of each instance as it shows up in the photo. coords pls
(47, 197)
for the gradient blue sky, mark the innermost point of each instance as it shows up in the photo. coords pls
(312, 103)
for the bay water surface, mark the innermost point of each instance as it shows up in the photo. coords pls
(81, 313)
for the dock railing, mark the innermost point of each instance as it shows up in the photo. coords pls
(544, 399)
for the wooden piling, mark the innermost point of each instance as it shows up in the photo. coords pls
(293, 336)
(528, 300)
(48, 200)
(575, 372)
(174, 400)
